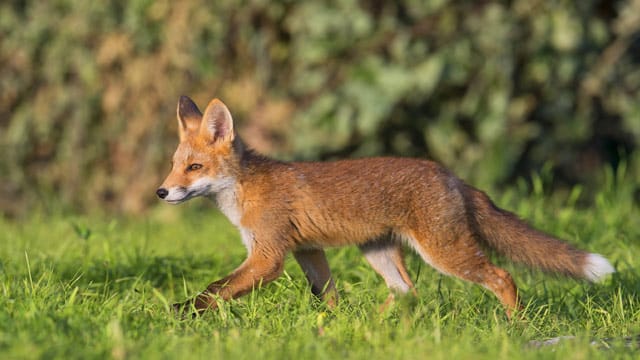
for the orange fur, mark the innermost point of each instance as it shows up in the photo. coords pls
(378, 204)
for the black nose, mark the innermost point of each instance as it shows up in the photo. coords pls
(162, 193)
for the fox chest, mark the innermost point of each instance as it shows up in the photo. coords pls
(227, 201)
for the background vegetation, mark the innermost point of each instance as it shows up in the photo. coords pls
(493, 89)
(541, 96)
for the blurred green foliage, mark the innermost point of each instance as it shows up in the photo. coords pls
(492, 89)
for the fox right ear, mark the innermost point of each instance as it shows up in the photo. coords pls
(189, 117)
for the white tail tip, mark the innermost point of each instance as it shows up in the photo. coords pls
(596, 267)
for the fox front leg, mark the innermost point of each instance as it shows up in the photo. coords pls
(314, 264)
(258, 269)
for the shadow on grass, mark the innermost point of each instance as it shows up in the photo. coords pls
(158, 271)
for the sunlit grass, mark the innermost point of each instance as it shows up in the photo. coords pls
(90, 286)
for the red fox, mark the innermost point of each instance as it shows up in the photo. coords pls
(380, 205)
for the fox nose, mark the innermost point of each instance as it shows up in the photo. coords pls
(162, 193)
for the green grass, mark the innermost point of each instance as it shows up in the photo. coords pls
(96, 287)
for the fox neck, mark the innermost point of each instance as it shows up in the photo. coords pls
(246, 163)
(228, 198)
(227, 201)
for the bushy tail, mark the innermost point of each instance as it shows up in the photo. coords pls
(508, 235)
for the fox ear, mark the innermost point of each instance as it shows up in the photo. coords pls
(189, 117)
(217, 124)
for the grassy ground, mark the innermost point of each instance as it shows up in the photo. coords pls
(95, 287)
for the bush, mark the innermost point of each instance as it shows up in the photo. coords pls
(492, 89)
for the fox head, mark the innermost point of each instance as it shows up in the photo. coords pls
(205, 161)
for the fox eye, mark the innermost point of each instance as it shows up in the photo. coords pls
(193, 167)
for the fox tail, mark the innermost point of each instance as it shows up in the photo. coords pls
(508, 235)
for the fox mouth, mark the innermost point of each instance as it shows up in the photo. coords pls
(188, 196)
(178, 201)
(181, 194)
(182, 199)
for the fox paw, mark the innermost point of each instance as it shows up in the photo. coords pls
(194, 307)
(185, 310)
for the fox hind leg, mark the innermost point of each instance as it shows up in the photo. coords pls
(464, 259)
(386, 258)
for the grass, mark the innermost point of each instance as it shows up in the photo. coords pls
(97, 287)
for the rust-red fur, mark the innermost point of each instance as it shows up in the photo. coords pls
(303, 207)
